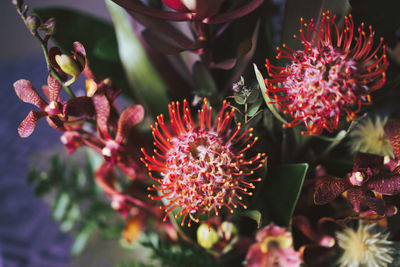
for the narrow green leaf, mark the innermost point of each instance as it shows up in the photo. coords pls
(263, 89)
(203, 79)
(149, 88)
(60, 206)
(254, 215)
(81, 239)
(281, 190)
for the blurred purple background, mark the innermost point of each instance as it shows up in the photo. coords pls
(28, 236)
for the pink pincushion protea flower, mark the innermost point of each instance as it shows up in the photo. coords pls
(332, 76)
(202, 166)
(274, 248)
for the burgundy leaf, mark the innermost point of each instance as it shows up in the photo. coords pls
(392, 130)
(54, 88)
(137, 6)
(128, 119)
(207, 8)
(363, 161)
(176, 5)
(329, 189)
(102, 108)
(80, 107)
(27, 126)
(386, 184)
(236, 13)
(27, 93)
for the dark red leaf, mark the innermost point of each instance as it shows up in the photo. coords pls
(176, 5)
(329, 189)
(387, 184)
(303, 225)
(208, 8)
(236, 13)
(392, 130)
(128, 119)
(27, 126)
(80, 107)
(27, 93)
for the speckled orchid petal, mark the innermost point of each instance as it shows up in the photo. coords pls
(128, 119)
(329, 189)
(386, 184)
(54, 88)
(28, 125)
(102, 107)
(363, 161)
(392, 130)
(80, 107)
(27, 93)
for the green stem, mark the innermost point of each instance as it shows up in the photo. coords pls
(43, 44)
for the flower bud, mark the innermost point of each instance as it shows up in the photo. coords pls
(17, 3)
(206, 236)
(69, 66)
(49, 26)
(33, 22)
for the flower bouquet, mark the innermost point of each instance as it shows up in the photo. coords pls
(208, 147)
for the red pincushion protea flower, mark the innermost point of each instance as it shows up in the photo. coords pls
(202, 166)
(332, 76)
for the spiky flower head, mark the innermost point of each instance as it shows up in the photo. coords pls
(369, 136)
(332, 76)
(202, 165)
(366, 246)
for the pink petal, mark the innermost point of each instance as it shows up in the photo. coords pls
(54, 88)
(27, 93)
(27, 126)
(128, 119)
(329, 189)
(392, 130)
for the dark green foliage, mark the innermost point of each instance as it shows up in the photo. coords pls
(79, 205)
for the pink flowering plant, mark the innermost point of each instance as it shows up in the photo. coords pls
(207, 147)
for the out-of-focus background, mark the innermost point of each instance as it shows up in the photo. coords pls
(28, 236)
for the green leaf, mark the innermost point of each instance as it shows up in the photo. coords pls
(280, 192)
(81, 239)
(149, 88)
(97, 35)
(203, 79)
(254, 215)
(60, 206)
(263, 89)
(254, 108)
